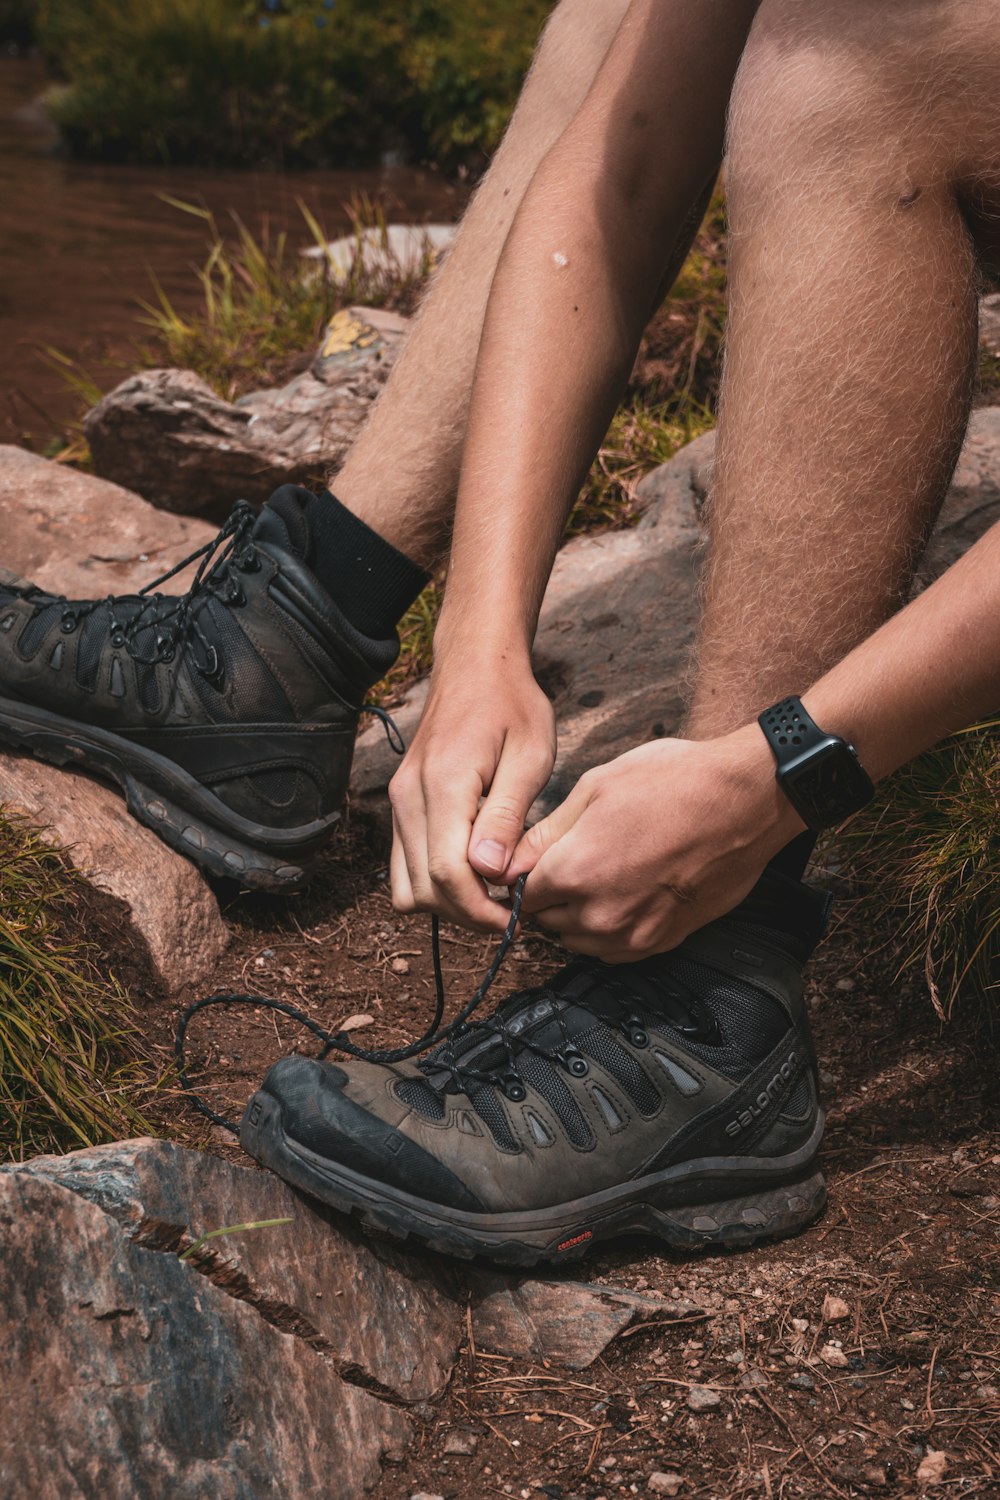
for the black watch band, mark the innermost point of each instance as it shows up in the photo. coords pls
(790, 729)
(819, 773)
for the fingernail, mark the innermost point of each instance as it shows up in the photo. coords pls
(491, 853)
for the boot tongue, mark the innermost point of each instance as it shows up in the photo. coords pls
(283, 522)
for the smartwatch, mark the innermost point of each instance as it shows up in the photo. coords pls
(819, 773)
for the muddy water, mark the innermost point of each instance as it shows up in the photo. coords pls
(79, 241)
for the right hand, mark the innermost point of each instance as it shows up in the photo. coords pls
(488, 731)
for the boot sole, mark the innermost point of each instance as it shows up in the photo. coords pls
(717, 1201)
(167, 799)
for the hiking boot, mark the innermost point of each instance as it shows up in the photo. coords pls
(226, 715)
(676, 1096)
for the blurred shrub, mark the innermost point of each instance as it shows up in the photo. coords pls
(17, 22)
(925, 854)
(286, 82)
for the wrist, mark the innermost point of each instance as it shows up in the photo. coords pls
(484, 640)
(750, 776)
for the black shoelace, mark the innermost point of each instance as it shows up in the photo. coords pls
(432, 1037)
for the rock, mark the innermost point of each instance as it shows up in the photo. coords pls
(81, 536)
(128, 1372)
(375, 1315)
(834, 1357)
(569, 1323)
(973, 501)
(461, 1441)
(703, 1398)
(803, 1382)
(754, 1379)
(664, 1484)
(932, 1468)
(167, 904)
(400, 249)
(989, 324)
(168, 435)
(835, 1309)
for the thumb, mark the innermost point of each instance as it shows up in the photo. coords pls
(500, 822)
(548, 831)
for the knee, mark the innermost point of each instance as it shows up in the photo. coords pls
(802, 108)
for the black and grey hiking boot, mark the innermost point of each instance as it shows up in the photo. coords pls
(226, 715)
(676, 1096)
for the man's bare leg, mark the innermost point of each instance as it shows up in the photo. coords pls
(401, 475)
(852, 329)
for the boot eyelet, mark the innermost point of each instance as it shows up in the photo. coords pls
(578, 1066)
(515, 1090)
(68, 624)
(117, 638)
(249, 563)
(638, 1038)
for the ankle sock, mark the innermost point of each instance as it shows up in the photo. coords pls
(367, 577)
(792, 860)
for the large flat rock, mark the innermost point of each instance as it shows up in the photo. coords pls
(169, 906)
(275, 1361)
(82, 536)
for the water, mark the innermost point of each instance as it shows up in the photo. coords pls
(78, 242)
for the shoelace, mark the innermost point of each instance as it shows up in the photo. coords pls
(432, 1037)
(440, 1040)
(178, 617)
(229, 544)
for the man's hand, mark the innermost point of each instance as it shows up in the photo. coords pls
(653, 845)
(488, 731)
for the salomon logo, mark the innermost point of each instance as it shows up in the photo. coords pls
(764, 1099)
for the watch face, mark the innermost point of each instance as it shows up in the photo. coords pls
(829, 783)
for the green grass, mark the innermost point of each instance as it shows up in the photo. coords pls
(285, 82)
(73, 1070)
(925, 857)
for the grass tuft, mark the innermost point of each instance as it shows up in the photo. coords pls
(72, 1070)
(925, 857)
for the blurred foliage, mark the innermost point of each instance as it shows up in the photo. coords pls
(17, 22)
(72, 1066)
(285, 82)
(925, 856)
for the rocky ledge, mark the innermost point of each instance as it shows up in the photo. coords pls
(277, 1360)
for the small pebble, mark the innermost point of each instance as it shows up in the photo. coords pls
(665, 1484)
(400, 966)
(835, 1309)
(803, 1381)
(831, 1355)
(846, 985)
(702, 1398)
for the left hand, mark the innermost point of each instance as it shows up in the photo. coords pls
(653, 845)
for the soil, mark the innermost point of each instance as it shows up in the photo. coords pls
(856, 1402)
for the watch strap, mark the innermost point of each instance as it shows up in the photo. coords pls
(789, 729)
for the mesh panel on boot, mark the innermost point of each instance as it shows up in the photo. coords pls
(606, 1052)
(37, 628)
(799, 1102)
(542, 1076)
(93, 638)
(485, 1102)
(279, 787)
(421, 1097)
(750, 1021)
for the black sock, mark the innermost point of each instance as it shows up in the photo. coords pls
(792, 860)
(372, 582)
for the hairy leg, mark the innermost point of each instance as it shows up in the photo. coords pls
(402, 473)
(858, 136)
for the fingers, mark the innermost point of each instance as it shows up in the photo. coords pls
(547, 832)
(432, 816)
(519, 778)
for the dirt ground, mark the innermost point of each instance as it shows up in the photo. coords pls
(861, 1358)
